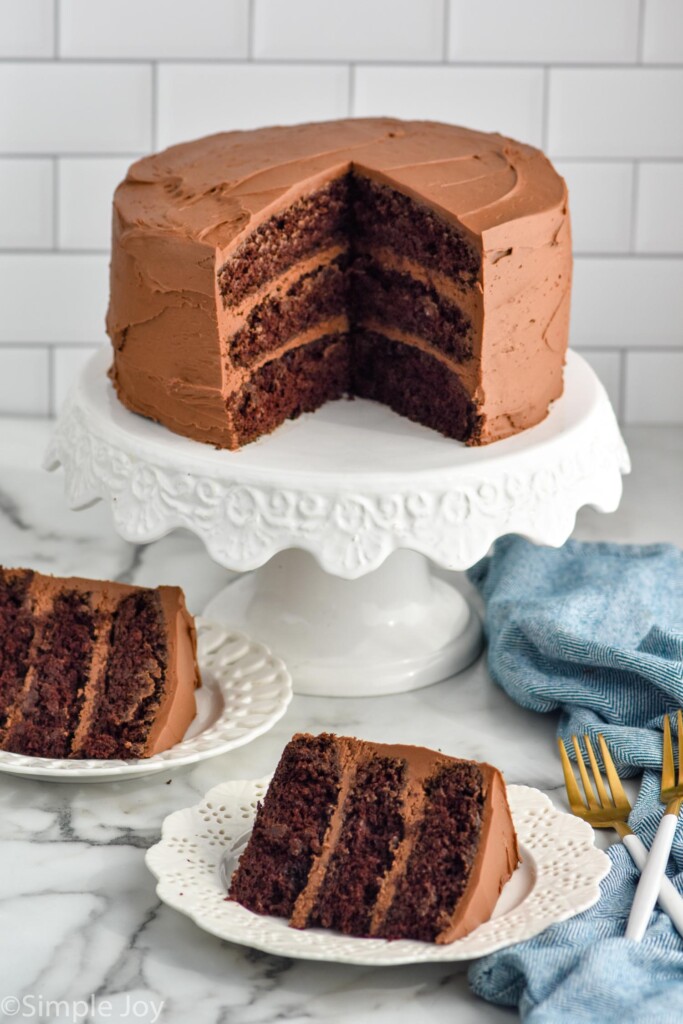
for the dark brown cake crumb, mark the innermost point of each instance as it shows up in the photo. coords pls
(313, 298)
(370, 835)
(313, 222)
(441, 861)
(412, 383)
(133, 682)
(300, 381)
(16, 630)
(289, 828)
(50, 710)
(389, 297)
(385, 218)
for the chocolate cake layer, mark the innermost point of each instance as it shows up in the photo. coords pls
(442, 858)
(131, 688)
(413, 383)
(290, 827)
(299, 381)
(377, 839)
(317, 221)
(16, 631)
(385, 217)
(47, 715)
(93, 669)
(386, 296)
(315, 297)
(371, 833)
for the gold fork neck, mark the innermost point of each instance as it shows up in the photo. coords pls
(622, 829)
(674, 806)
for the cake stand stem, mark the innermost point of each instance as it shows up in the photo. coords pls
(395, 629)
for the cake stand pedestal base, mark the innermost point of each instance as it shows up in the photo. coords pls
(395, 629)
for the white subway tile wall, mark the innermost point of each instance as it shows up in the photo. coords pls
(88, 87)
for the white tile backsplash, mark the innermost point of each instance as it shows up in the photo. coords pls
(27, 28)
(26, 203)
(24, 380)
(154, 28)
(88, 85)
(615, 112)
(663, 31)
(600, 202)
(659, 216)
(607, 365)
(53, 297)
(200, 99)
(65, 108)
(509, 100)
(544, 31)
(86, 187)
(68, 363)
(654, 387)
(407, 30)
(629, 302)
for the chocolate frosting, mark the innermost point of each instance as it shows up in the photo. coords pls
(181, 213)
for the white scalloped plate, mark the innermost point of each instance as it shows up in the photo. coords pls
(559, 877)
(244, 692)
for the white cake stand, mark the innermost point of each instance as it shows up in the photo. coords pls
(340, 513)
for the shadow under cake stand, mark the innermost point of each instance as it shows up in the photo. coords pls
(343, 515)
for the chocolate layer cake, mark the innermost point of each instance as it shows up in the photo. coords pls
(93, 669)
(256, 275)
(372, 839)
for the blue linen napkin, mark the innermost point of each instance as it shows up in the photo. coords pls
(595, 631)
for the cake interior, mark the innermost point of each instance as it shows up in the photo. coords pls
(82, 673)
(366, 840)
(355, 289)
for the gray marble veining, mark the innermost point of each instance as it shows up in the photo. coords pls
(84, 936)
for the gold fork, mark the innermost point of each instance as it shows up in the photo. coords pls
(671, 794)
(611, 810)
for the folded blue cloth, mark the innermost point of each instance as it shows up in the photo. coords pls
(595, 631)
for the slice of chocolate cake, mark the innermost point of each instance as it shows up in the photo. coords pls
(93, 669)
(372, 839)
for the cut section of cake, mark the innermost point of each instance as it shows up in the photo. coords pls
(383, 840)
(256, 275)
(92, 669)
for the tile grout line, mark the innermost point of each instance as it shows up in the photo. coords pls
(377, 62)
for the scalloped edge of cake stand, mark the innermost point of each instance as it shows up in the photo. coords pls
(331, 483)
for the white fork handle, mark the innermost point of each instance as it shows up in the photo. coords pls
(651, 878)
(669, 898)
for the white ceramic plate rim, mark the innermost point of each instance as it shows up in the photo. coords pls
(566, 873)
(255, 687)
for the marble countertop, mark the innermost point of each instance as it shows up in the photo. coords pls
(84, 935)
